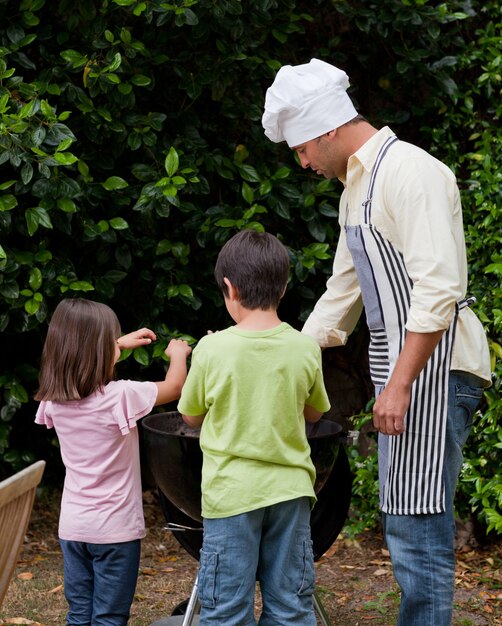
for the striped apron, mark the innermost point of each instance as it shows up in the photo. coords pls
(410, 464)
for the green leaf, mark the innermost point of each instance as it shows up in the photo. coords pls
(35, 279)
(63, 145)
(7, 202)
(140, 80)
(115, 276)
(26, 173)
(46, 109)
(19, 392)
(115, 64)
(32, 221)
(31, 306)
(247, 193)
(80, 285)
(118, 223)
(27, 109)
(112, 78)
(140, 355)
(65, 158)
(83, 168)
(163, 247)
(115, 182)
(10, 290)
(75, 58)
(186, 290)
(171, 162)
(67, 205)
(7, 184)
(249, 173)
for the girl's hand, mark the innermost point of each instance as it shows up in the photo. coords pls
(178, 348)
(141, 337)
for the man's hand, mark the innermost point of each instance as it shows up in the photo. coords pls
(392, 404)
(390, 408)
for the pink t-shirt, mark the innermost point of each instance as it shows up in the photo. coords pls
(102, 499)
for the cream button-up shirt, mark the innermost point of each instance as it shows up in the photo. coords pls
(416, 207)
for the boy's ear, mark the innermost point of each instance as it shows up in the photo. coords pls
(233, 293)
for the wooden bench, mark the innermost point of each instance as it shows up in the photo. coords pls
(17, 494)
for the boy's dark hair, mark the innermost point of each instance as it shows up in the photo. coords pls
(79, 351)
(257, 264)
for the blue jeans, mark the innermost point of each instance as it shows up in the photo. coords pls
(422, 546)
(271, 545)
(99, 581)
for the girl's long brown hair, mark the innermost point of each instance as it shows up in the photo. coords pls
(79, 351)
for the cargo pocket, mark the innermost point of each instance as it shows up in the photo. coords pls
(207, 581)
(307, 586)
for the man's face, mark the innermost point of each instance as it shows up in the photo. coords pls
(321, 155)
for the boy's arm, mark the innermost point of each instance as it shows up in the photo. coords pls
(170, 388)
(195, 421)
(311, 414)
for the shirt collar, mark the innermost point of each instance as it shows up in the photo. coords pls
(367, 153)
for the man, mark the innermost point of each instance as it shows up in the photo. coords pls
(401, 254)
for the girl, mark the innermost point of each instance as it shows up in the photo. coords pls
(101, 521)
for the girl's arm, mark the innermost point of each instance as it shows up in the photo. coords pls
(170, 388)
(141, 337)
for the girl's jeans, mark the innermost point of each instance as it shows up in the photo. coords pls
(271, 545)
(422, 546)
(99, 581)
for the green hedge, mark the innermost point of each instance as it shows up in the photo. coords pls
(131, 148)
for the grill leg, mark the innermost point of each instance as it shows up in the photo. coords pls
(319, 609)
(192, 606)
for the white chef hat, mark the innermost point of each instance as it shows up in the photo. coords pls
(306, 101)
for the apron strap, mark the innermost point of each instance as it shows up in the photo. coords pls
(465, 302)
(382, 152)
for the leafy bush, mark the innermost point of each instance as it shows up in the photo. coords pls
(131, 148)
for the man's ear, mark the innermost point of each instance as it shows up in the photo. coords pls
(233, 292)
(332, 133)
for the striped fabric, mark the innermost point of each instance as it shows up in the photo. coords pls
(413, 476)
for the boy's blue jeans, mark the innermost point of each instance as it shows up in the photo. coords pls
(271, 545)
(422, 546)
(99, 581)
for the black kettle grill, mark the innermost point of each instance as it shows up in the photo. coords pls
(174, 457)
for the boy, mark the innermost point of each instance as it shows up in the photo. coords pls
(250, 388)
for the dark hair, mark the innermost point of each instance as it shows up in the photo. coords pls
(356, 120)
(257, 264)
(79, 351)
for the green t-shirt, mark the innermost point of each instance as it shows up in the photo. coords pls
(253, 386)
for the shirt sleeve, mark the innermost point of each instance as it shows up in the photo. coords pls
(193, 398)
(337, 311)
(318, 398)
(134, 400)
(425, 203)
(42, 417)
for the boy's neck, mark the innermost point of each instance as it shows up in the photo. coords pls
(257, 319)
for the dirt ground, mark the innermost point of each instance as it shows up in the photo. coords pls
(354, 578)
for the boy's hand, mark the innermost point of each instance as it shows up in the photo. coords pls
(141, 337)
(178, 348)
